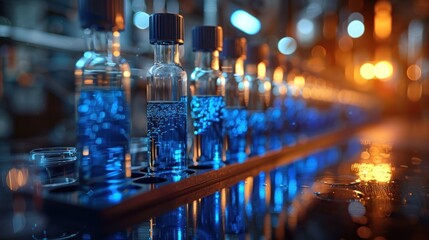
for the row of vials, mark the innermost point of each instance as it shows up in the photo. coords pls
(234, 105)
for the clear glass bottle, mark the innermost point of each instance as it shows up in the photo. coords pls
(275, 118)
(235, 112)
(294, 103)
(86, 57)
(83, 61)
(207, 98)
(167, 97)
(103, 99)
(259, 88)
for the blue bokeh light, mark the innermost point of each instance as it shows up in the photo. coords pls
(287, 45)
(141, 20)
(305, 26)
(245, 22)
(356, 28)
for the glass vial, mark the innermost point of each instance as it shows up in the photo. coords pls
(103, 98)
(235, 112)
(275, 118)
(258, 97)
(207, 98)
(86, 57)
(166, 97)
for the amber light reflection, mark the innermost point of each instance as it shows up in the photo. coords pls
(16, 178)
(239, 67)
(383, 19)
(262, 70)
(375, 166)
(278, 75)
(373, 172)
(128, 165)
(382, 70)
(299, 81)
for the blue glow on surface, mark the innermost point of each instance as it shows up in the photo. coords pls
(115, 196)
(292, 182)
(249, 209)
(234, 211)
(241, 189)
(245, 22)
(311, 164)
(278, 179)
(278, 200)
(217, 217)
(292, 188)
(179, 233)
(278, 192)
(300, 165)
(262, 186)
(291, 172)
(333, 155)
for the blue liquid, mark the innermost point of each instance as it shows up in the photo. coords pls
(258, 132)
(167, 136)
(235, 129)
(275, 123)
(207, 116)
(103, 135)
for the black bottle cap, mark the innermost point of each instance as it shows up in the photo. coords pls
(106, 15)
(207, 38)
(257, 53)
(233, 48)
(166, 28)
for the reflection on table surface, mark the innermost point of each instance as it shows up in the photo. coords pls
(372, 186)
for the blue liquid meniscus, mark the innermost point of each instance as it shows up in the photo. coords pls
(103, 135)
(207, 117)
(167, 136)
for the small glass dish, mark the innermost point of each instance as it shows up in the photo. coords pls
(55, 166)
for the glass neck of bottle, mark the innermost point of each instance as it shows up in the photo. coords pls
(207, 60)
(88, 35)
(251, 69)
(228, 65)
(104, 42)
(257, 70)
(235, 66)
(166, 53)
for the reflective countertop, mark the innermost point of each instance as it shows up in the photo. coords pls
(373, 185)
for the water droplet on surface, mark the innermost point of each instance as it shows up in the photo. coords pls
(340, 195)
(341, 180)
